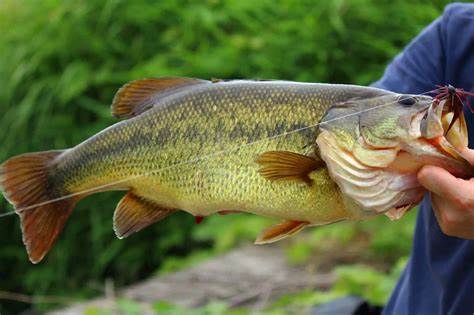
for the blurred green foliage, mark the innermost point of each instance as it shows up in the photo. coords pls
(62, 61)
(382, 241)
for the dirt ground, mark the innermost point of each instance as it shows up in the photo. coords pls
(251, 276)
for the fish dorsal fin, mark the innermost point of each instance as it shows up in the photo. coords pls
(134, 213)
(280, 231)
(285, 165)
(138, 96)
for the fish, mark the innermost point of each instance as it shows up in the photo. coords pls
(308, 154)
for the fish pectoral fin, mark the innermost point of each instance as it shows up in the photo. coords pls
(285, 165)
(280, 231)
(138, 96)
(134, 213)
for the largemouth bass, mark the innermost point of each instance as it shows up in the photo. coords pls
(307, 153)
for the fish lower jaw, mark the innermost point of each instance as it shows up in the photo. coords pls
(439, 152)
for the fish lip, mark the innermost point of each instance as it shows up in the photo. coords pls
(433, 121)
(431, 125)
(432, 130)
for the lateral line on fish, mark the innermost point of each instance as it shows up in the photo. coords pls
(90, 190)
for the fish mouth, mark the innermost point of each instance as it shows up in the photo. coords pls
(449, 138)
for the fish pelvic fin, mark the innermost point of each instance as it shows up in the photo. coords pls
(25, 182)
(134, 213)
(285, 165)
(138, 96)
(280, 231)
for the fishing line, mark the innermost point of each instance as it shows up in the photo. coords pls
(98, 188)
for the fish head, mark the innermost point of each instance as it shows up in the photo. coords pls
(374, 147)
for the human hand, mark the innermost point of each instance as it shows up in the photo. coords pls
(452, 199)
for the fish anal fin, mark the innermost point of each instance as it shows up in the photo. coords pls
(285, 165)
(134, 213)
(280, 231)
(138, 96)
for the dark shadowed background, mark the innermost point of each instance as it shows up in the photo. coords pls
(61, 63)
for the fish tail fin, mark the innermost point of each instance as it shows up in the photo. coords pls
(26, 183)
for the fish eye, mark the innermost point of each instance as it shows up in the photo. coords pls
(406, 100)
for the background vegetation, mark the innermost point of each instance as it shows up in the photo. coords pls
(62, 61)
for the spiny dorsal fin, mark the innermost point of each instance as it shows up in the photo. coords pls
(134, 213)
(138, 96)
(285, 165)
(280, 231)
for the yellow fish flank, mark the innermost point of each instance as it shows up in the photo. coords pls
(239, 146)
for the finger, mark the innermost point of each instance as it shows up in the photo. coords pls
(452, 220)
(442, 183)
(441, 207)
